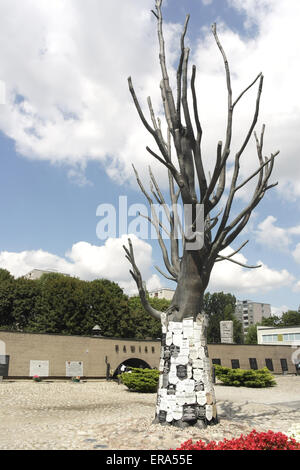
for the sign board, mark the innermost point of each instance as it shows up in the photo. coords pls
(40, 368)
(226, 328)
(74, 368)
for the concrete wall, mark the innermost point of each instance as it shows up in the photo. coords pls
(93, 352)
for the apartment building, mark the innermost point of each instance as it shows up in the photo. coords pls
(250, 313)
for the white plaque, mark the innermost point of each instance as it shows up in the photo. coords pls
(177, 339)
(182, 360)
(180, 397)
(187, 327)
(209, 412)
(198, 364)
(190, 398)
(173, 379)
(40, 368)
(176, 328)
(161, 365)
(177, 412)
(169, 338)
(198, 375)
(201, 398)
(169, 417)
(163, 404)
(74, 368)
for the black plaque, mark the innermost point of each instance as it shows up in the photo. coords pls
(4, 365)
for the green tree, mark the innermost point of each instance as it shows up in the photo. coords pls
(7, 292)
(146, 326)
(26, 295)
(290, 318)
(251, 336)
(218, 307)
(271, 321)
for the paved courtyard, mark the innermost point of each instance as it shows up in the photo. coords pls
(105, 415)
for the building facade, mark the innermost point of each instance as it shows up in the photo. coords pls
(249, 312)
(163, 293)
(37, 273)
(286, 335)
(23, 355)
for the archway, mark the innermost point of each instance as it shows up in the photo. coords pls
(132, 362)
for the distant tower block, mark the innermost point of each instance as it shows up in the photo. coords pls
(226, 328)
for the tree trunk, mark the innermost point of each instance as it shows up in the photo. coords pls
(185, 393)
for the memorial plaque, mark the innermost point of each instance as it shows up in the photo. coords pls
(189, 413)
(226, 329)
(180, 397)
(209, 398)
(169, 417)
(199, 386)
(201, 398)
(173, 379)
(183, 360)
(198, 375)
(190, 398)
(177, 328)
(74, 368)
(172, 402)
(174, 350)
(201, 411)
(161, 365)
(162, 416)
(177, 412)
(165, 381)
(188, 327)
(169, 338)
(40, 368)
(182, 372)
(198, 364)
(163, 404)
(209, 412)
(177, 340)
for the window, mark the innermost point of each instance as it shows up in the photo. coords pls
(132, 349)
(117, 348)
(253, 363)
(284, 365)
(235, 363)
(269, 364)
(216, 361)
(140, 349)
(146, 349)
(124, 348)
(153, 349)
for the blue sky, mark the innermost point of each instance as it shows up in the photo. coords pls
(69, 132)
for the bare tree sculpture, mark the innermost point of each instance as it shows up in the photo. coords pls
(185, 394)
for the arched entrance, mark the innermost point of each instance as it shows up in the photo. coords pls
(132, 362)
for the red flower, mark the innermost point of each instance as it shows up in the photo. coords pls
(253, 441)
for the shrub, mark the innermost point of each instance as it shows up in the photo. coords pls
(253, 441)
(245, 378)
(141, 380)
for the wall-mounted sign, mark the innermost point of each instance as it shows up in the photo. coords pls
(40, 368)
(74, 368)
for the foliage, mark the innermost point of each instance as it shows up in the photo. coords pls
(245, 378)
(253, 441)
(289, 318)
(219, 307)
(145, 325)
(141, 380)
(251, 336)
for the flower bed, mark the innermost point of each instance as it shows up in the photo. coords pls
(253, 441)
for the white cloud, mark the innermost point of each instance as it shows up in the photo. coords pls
(296, 253)
(278, 311)
(268, 233)
(231, 277)
(89, 262)
(207, 2)
(70, 61)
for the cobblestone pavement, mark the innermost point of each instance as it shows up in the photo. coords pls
(104, 415)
